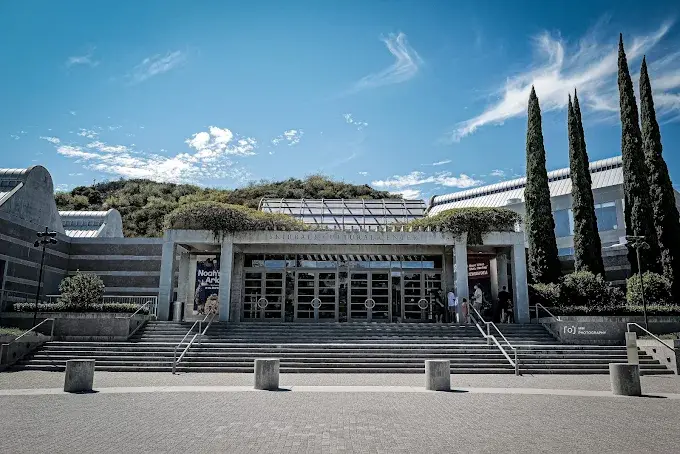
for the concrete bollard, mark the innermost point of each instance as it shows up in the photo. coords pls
(625, 379)
(438, 375)
(631, 348)
(79, 375)
(267, 374)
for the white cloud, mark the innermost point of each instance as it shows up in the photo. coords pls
(350, 120)
(155, 65)
(590, 67)
(210, 158)
(497, 173)
(114, 127)
(85, 59)
(52, 140)
(441, 163)
(89, 133)
(15, 137)
(408, 194)
(417, 178)
(78, 174)
(291, 137)
(404, 68)
(363, 174)
(62, 187)
(72, 112)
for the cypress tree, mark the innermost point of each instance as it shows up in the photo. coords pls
(544, 266)
(638, 211)
(587, 244)
(662, 196)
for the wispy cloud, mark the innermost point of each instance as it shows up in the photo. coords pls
(408, 194)
(72, 112)
(85, 59)
(155, 65)
(52, 140)
(589, 67)
(290, 137)
(363, 174)
(88, 133)
(210, 158)
(497, 173)
(350, 120)
(404, 68)
(441, 163)
(416, 178)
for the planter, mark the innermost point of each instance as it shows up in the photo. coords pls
(605, 330)
(82, 326)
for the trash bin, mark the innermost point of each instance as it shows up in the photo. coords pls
(178, 312)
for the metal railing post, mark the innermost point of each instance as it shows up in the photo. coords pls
(174, 361)
(516, 363)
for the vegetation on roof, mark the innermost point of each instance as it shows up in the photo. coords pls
(221, 218)
(476, 222)
(143, 204)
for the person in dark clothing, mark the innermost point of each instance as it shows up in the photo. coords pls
(503, 304)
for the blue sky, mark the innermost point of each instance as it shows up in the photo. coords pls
(415, 97)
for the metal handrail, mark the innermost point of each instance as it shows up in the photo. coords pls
(142, 307)
(537, 305)
(8, 345)
(488, 329)
(654, 336)
(492, 338)
(200, 333)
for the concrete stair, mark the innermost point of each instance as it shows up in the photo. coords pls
(338, 347)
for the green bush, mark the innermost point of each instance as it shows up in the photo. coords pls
(584, 288)
(657, 290)
(549, 295)
(474, 221)
(81, 289)
(613, 309)
(222, 218)
(62, 307)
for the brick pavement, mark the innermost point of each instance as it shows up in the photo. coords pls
(273, 422)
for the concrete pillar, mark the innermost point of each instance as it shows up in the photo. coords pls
(520, 286)
(631, 348)
(226, 264)
(460, 252)
(502, 270)
(79, 375)
(165, 284)
(625, 379)
(493, 277)
(267, 374)
(184, 292)
(438, 375)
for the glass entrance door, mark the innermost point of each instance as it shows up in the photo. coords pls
(420, 289)
(316, 296)
(369, 296)
(263, 295)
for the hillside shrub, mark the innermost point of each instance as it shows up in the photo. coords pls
(476, 222)
(549, 295)
(657, 289)
(584, 288)
(81, 290)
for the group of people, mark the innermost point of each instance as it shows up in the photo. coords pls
(501, 308)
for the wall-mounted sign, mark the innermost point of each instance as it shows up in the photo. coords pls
(478, 269)
(207, 286)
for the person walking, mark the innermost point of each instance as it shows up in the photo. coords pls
(478, 299)
(452, 301)
(438, 307)
(465, 310)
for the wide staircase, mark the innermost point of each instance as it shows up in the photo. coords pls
(338, 347)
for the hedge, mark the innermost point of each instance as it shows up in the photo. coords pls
(476, 222)
(221, 218)
(62, 307)
(611, 309)
(657, 289)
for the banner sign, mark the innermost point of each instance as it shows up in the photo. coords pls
(207, 286)
(478, 269)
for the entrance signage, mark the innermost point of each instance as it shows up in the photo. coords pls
(343, 237)
(207, 286)
(478, 269)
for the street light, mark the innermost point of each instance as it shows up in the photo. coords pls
(44, 238)
(638, 242)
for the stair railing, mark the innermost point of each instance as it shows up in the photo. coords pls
(491, 339)
(199, 334)
(539, 305)
(628, 325)
(6, 349)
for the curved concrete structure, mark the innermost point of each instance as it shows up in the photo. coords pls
(79, 375)
(438, 375)
(625, 379)
(267, 374)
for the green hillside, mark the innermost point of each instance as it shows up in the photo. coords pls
(143, 204)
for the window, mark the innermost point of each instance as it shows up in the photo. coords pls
(565, 251)
(606, 216)
(564, 223)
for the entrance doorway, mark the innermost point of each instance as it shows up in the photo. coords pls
(369, 296)
(264, 294)
(316, 296)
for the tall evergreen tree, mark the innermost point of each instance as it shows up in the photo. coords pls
(587, 244)
(638, 210)
(666, 219)
(544, 266)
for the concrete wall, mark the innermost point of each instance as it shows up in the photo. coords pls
(604, 330)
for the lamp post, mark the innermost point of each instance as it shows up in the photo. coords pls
(44, 238)
(638, 242)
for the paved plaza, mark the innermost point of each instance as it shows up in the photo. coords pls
(149, 412)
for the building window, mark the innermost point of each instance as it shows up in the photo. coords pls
(606, 216)
(563, 251)
(564, 223)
